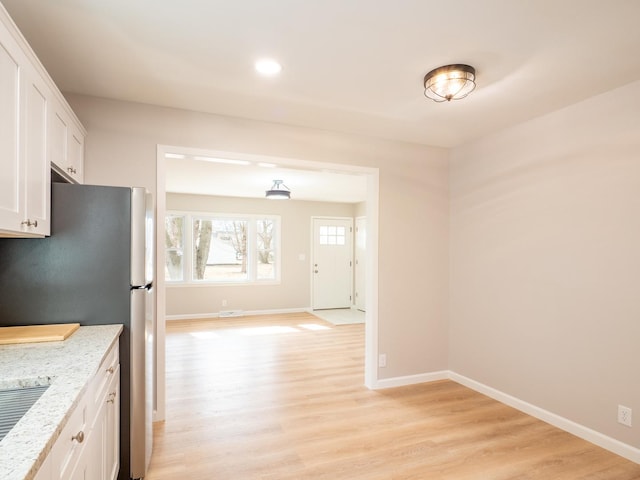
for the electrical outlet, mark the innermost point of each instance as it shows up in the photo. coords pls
(624, 415)
(224, 303)
(382, 360)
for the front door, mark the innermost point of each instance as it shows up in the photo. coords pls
(332, 262)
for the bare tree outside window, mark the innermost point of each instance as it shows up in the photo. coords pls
(239, 241)
(266, 253)
(174, 241)
(226, 255)
(201, 245)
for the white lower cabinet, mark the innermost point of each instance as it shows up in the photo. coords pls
(111, 435)
(88, 447)
(44, 472)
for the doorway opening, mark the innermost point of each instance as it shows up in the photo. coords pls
(165, 152)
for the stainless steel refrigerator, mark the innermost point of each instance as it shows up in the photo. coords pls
(96, 268)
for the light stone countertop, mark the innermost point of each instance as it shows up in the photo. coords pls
(67, 366)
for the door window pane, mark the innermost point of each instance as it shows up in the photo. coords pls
(332, 235)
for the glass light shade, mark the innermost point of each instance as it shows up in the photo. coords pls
(451, 82)
(279, 191)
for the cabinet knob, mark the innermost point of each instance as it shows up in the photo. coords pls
(29, 223)
(78, 437)
(112, 397)
(110, 370)
(72, 170)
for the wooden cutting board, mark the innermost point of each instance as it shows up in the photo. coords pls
(37, 333)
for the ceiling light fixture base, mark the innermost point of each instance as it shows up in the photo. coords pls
(278, 191)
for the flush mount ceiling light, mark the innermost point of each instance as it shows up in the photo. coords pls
(279, 191)
(451, 82)
(268, 67)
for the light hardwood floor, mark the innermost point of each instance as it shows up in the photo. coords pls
(282, 398)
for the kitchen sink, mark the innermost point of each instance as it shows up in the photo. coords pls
(14, 403)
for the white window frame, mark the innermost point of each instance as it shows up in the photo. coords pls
(252, 247)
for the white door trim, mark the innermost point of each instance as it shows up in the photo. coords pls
(371, 319)
(358, 279)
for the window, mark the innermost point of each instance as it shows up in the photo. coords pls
(220, 249)
(223, 248)
(332, 235)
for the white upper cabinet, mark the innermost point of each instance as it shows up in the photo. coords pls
(37, 193)
(66, 146)
(12, 177)
(38, 131)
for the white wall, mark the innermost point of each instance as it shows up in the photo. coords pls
(413, 197)
(545, 261)
(294, 291)
(544, 231)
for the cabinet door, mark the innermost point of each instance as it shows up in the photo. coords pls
(57, 136)
(11, 179)
(92, 457)
(34, 143)
(111, 447)
(25, 180)
(66, 144)
(68, 450)
(75, 145)
(44, 472)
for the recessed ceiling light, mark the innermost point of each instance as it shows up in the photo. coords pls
(173, 155)
(267, 165)
(268, 67)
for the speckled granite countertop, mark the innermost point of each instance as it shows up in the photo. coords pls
(67, 366)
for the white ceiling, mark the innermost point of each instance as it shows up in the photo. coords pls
(200, 177)
(352, 66)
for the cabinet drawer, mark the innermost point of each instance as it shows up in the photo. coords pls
(99, 385)
(69, 446)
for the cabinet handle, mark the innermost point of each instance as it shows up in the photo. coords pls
(110, 370)
(72, 170)
(29, 223)
(78, 437)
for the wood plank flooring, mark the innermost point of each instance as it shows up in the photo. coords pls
(282, 398)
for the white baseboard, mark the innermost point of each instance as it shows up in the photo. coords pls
(199, 316)
(410, 380)
(624, 450)
(597, 438)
